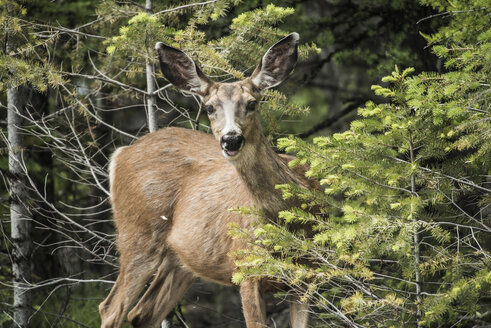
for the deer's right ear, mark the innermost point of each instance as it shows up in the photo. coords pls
(181, 70)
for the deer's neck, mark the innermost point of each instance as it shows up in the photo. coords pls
(261, 169)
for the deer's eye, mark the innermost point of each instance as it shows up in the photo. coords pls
(209, 109)
(251, 106)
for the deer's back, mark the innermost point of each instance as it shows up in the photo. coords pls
(155, 171)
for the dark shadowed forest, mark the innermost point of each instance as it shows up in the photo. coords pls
(388, 108)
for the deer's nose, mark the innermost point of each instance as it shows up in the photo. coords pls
(232, 142)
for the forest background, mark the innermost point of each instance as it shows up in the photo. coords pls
(402, 226)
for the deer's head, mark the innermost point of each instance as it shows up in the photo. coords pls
(231, 107)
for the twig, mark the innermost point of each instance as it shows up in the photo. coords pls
(66, 30)
(185, 6)
(450, 13)
(106, 79)
(446, 176)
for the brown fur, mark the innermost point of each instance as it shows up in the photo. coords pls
(171, 193)
(179, 174)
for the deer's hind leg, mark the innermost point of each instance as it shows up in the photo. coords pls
(135, 271)
(167, 288)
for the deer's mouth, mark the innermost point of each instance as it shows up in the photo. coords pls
(231, 153)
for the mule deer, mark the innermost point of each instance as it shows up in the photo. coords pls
(172, 189)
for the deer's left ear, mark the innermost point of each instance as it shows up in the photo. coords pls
(277, 63)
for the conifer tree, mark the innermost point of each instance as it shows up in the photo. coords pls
(402, 227)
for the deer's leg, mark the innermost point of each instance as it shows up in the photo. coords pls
(167, 288)
(253, 304)
(299, 313)
(131, 280)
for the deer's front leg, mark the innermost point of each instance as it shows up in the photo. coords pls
(253, 304)
(299, 313)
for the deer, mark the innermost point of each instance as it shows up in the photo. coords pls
(172, 189)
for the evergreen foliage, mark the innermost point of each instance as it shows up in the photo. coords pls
(401, 230)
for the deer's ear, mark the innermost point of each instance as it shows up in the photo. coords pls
(181, 70)
(277, 63)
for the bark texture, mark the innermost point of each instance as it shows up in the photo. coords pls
(20, 220)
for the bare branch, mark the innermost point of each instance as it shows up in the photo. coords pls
(185, 6)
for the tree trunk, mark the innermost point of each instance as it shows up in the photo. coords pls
(20, 221)
(152, 122)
